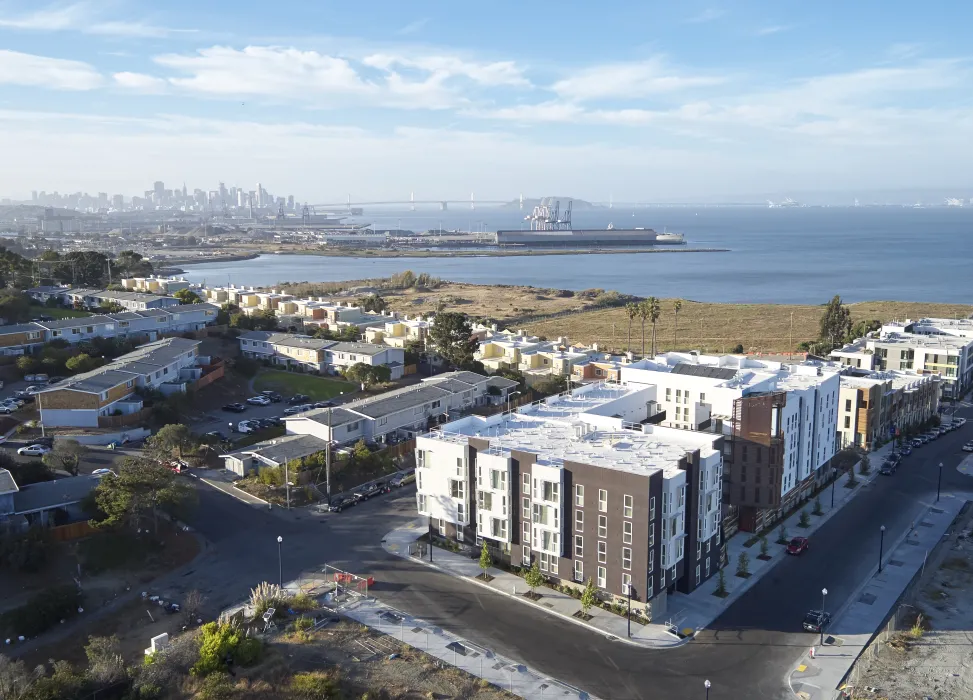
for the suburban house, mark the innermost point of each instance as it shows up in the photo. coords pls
(23, 338)
(155, 285)
(272, 453)
(317, 354)
(45, 503)
(400, 332)
(779, 420)
(402, 413)
(582, 486)
(94, 298)
(87, 399)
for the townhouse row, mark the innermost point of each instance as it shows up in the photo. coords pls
(384, 419)
(25, 338)
(307, 354)
(95, 298)
(90, 399)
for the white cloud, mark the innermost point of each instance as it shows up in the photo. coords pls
(630, 80)
(84, 17)
(707, 15)
(535, 113)
(489, 74)
(140, 82)
(42, 71)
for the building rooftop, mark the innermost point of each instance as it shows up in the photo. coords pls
(583, 427)
(399, 400)
(45, 495)
(20, 328)
(95, 320)
(7, 482)
(283, 449)
(339, 416)
(359, 348)
(704, 371)
(935, 342)
(471, 378)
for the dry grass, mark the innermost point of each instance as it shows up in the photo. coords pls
(498, 302)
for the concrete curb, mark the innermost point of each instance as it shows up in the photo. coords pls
(569, 618)
(232, 492)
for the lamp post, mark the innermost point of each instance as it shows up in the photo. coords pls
(824, 595)
(707, 685)
(630, 610)
(509, 396)
(280, 563)
(833, 482)
(939, 482)
(881, 548)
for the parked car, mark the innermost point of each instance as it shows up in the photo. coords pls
(273, 396)
(34, 450)
(247, 426)
(36, 378)
(339, 503)
(52, 380)
(258, 401)
(323, 404)
(8, 408)
(968, 447)
(15, 400)
(961, 422)
(366, 492)
(816, 620)
(269, 422)
(101, 472)
(916, 442)
(215, 435)
(46, 441)
(905, 451)
(235, 407)
(33, 389)
(294, 410)
(298, 399)
(887, 468)
(944, 428)
(797, 545)
(894, 459)
(400, 480)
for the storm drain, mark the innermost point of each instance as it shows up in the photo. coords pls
(926, 523)
(391, 617)
(894, 562)
(939, 511)
(497, 666)
(548, 605)
(417, 630)
(914, 543)
(458, 648)
(867, 598)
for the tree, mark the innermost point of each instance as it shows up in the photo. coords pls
(655, 310)
(643, 317)
(26, 473)
(782, 534)
(804, 520)
(15, 680)
(105, 663)
(82, 363)
(817, 506)
(174, 437)
(368, 375)
(865, 466)
(486, 561)
(373, 302)
(451, 334)
(738, 349)
(721, 584)
(141, 487)
(588, 597)
(632, 309)
(14, 306)
(835, 323)
(26, 364)
(676, 308)
(187, 296)
(743, 565)
(533, 578)
(66, 455)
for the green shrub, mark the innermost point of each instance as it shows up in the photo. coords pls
(302, 602)
(42, 611)
(216, 642)
(315, 685)
(303, 623)
(248, 652)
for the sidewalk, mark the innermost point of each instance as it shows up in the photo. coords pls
(870, 605)
(654, 636)
(473, 658)
(699, 608)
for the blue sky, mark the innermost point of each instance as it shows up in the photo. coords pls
(642, 101)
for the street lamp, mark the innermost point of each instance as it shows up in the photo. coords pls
(511, 394)
(881, 548)
(280, 563)
(939, 482)
(631, 590)
(707, 684)
(824, 595)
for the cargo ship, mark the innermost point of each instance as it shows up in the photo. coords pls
(550, 227)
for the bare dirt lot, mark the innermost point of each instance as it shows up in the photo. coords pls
(931, 654)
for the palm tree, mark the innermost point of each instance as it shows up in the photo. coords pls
(676, 308)
(643, 311)
(654, 311)
(632, 310)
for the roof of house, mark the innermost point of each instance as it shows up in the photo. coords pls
(400, 400)
(20, 328)
(95, 320)
(283, 449)
(45, 495)
(339, 416)
(359, 348)
(704, 371)
(7, 483)
(502, 382)
(471, 378)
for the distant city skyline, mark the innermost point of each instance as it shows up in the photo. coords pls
(640, 101)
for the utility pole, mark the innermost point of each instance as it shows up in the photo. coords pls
(327, 461)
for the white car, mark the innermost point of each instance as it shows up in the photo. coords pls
(258, 401)
(8, 407)
(968, 447)
(246, 427)
(13, 400)
(34, 450)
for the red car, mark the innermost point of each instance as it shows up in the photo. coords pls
(797, 545)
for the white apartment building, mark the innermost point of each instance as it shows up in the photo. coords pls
(579, 485)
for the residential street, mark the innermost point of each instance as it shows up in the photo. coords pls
(746, 653)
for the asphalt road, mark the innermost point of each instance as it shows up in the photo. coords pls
(745, 653)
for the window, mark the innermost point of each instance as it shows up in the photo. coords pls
(627, 506)
(668, 394)
(553, 564)
(442, 527)
(651, 562)
(697, 574)
(579, 520)
(525, 555)
(626, 583)
(459, 466)
(579, 495)
(498, 528)
(457, 489)
(626, 558)
(707, 568)
(498, 480)
(648, 590)
(680, 548)
(603, 500)
(419, 479)
(602, 577)
(459, 533)
(551, 491)
(578, 571)
(652, 535)
(526, 509)
(602, 552)
(702, 398)
(579, 546)
(485, 500)
(422, 503)
(652, 508)
(526, 488)
(526, 532)
(847, 422)
(602, 526)
(627, 532)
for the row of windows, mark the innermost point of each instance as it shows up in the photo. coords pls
(628, 502)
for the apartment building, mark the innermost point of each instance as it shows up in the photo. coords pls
(167, 365)
(581, 485)
(25, 338)
(876, 406)
(402, 413)
(927, 346)
(94, 298)
(318, 354)
(780, 421)
(155, 285)
(400, 332)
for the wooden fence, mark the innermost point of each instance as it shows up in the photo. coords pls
(124, 420)
(71, 531)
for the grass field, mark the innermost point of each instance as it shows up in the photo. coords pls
(289, 383)
(720, 327)
(56, 313)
